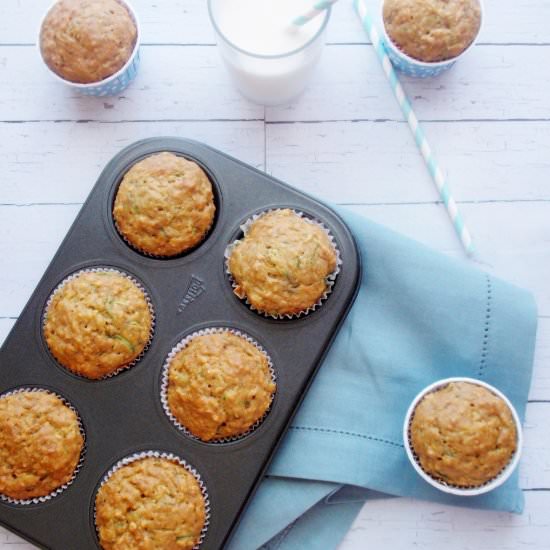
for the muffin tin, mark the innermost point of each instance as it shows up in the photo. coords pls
(123, 415)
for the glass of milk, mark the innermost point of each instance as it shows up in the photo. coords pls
(269, 59)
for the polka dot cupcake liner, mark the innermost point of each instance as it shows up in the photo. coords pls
(165, 382)
(117, 82)
(414, 67)
(61, 488)
(173, 458)
(329, 281)
(101, 270)
(460, 490)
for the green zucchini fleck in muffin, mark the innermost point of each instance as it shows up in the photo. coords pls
(164, 205)
(219, 385)
(463, 434)
(282, 264)
(40, 444)
(97, 322)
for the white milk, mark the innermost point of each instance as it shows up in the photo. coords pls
(269, 59)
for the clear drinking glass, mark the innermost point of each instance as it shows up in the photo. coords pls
(269, 79)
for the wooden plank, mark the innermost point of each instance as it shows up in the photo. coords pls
(540, 385)
(371, 162)
(534, 472)
(186, 21)
(6, 325)
(9, 541)
(343, 162)
(59, 163)
(187, 84)
(492, 82)
(512, 238)
(349, 85)
(402, 524)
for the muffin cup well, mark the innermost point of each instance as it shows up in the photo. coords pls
(164, 382)
(60, 489)
(330, 280)
(414, 67)
(207, 233)
(113, 84)
(168, 456)
(493, 483)
(100, 270)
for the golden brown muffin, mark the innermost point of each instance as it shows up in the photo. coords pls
(282, 264)
(463, 434)
(97, 322)
(150, 504)
(432, 30)
(164, 205)
(219, 385)
(85, 41)
(40, 444)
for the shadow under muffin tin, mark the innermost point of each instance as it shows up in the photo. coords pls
(123, 414)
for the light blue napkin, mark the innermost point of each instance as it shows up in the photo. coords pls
(419, 317)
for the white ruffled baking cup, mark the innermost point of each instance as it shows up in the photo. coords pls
(61, 488)
(165, 383)
(173, 458)
(101, 270)
(329, 280)
(465, 490)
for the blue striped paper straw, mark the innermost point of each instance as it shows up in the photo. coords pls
(419, 136)
(317, 9)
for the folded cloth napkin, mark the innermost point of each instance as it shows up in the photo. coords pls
(419, 317)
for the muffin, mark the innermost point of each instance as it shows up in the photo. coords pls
(463, 434)
(86, 41)
(432, 30)
(40, 444)
(164, 205)
(283, 264)
(97, 322)
(219, 385)
(150, 503)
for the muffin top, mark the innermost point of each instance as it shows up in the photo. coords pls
(150, 504)
(97, 322)
(86, 41)
(164, 205)
(40, 444)
(463, 434)
(219, 385)
(432, 30)
(282, 264)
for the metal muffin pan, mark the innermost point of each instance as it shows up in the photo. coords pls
(123, 415)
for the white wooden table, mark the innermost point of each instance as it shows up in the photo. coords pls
(344, 140)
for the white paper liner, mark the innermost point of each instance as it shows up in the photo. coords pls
(437, 480)
(139, 250)
(101, 270)
(329, 281)
(174, 458)
(60, 489)
(165, 382)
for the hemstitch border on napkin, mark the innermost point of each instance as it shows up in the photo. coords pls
(488, 313)
(351, 434)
